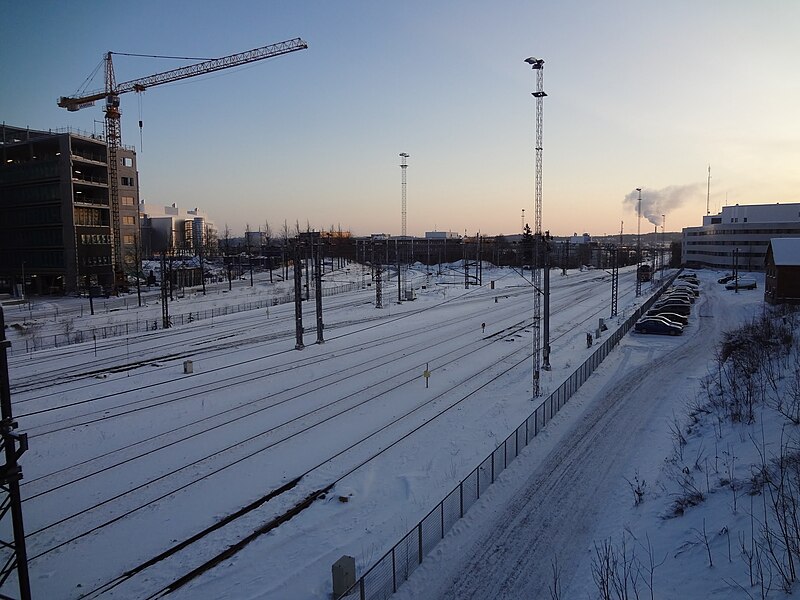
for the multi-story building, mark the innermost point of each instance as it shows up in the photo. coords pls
(56, 233)
(739, 235)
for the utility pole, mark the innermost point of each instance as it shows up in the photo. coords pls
(298, 297)
(14, 445)
(378, 276)
(614, 279)
(397, 260)
(538, 66)
(164, 296)
(546, 341)
(318, 284)
(639, 244)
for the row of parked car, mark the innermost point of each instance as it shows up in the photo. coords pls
(670, 314)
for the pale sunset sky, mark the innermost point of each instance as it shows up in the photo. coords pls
(640, 94)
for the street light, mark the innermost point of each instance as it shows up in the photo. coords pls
(23, 280)
(639, 244)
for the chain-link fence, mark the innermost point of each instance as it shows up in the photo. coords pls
(41, 341)
(382, 579)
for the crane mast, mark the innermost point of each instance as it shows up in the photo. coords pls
(111, 95)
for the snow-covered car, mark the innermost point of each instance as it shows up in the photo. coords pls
(657, 325)
(725, 278)
(672, 316)
(743, 283)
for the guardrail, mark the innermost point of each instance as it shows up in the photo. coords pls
(382, 579)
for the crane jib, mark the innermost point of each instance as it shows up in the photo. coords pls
(201, 68)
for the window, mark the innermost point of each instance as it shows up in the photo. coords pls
(127, 201)
(128, 221)
(127, 161)
(127, 181)
(127, 240)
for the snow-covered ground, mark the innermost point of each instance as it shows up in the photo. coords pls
(130, 457)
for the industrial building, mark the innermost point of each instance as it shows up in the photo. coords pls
(739, 235)
(166, 229)
(56, 234)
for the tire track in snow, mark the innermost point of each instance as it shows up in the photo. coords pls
(554, 513)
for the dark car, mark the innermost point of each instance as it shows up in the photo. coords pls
(674, 307)
(656, 325)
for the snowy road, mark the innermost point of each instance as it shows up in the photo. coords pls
(548, 503)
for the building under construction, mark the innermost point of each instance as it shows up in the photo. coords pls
(56, 234)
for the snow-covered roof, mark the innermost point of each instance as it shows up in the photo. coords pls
(786, 251)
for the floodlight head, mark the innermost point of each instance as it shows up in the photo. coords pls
(535, 63)
(404, 154)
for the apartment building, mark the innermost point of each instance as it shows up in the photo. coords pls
(56, 235)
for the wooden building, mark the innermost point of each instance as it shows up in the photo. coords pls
(782, 265)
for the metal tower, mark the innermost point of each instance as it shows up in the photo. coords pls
(537, 65)
(403, 167)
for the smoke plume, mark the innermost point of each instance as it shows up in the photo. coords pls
(660, 202)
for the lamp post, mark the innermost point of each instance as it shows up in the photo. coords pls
(736, 270)
(23, 280)
(639, 244)
(663, 248)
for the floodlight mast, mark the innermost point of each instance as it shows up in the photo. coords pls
(539, 360)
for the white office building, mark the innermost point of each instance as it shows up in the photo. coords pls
(739, 233)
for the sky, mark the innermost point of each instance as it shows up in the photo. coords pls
(639, 95)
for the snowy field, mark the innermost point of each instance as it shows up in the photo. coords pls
(139, 474)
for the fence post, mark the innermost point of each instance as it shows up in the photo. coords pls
(419, 535)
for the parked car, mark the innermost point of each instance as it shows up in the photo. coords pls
(657, 312)
(725, 278)
(683, 295)
(743, 283)
(674, 300)
(694, 291)
(676, 307)
(656, 325)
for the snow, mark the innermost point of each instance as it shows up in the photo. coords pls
(786, 251)
(128, 436)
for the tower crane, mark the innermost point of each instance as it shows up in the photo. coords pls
(114, 90)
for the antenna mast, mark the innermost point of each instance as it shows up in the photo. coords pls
(708, 192)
